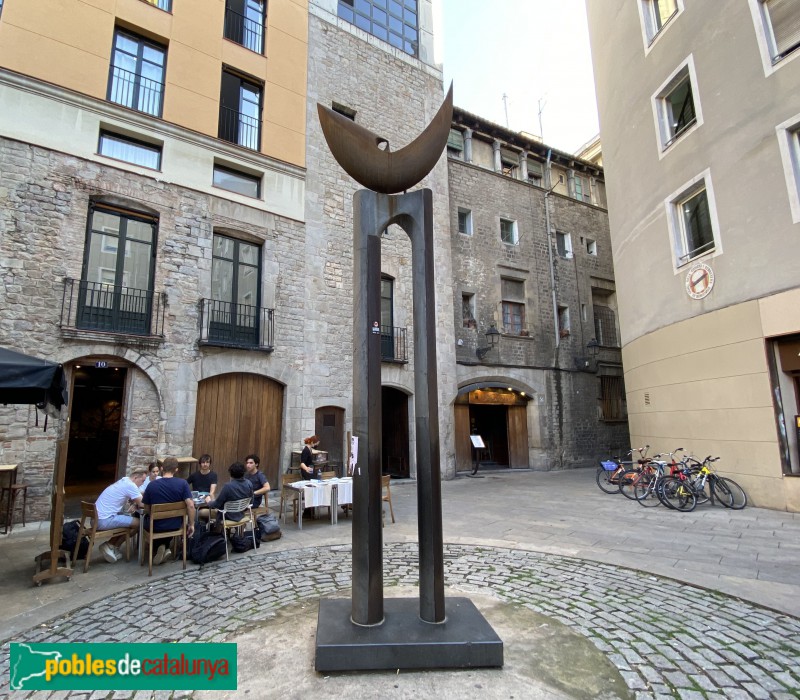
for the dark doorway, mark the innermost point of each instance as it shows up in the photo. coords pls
(329, 427)
(394, 456)
(491, 423)
(95, 422)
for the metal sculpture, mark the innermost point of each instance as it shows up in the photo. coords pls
(373, 633)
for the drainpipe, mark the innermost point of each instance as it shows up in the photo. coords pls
(550, 251)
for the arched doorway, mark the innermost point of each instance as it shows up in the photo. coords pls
(239, 414)
(329, 427)
(499, 416)
(394, 433)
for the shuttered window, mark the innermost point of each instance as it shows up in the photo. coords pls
(784, 21)
(612, 396)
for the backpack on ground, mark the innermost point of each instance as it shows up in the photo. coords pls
(268, 527)
(244, 542)
(69, 536)
(205, 546)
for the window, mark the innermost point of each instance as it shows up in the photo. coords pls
(508, 231)
(564, 244)
(782, 25)
(582, 189)
(789, 146)
(465, 221)
(344, 110)
(563, 321)
(535, 172)
(236, 181)
(656, 14)
(513, 293)
(692, 220)
(240, 111)
(244, 23)
(136, 77)
(130, 150)
(1, 7)
(387, 318)
(676, 106)
(583, 313)
(605, 326)
(508, 167)
(235, 291)
(116, 288)
(612, 398)
(468, 310)
(591, 246)
(165, 5)
(455, 144)
(394, 21)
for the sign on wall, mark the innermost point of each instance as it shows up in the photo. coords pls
(699, 281)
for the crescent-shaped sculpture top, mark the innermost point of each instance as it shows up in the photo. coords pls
(359, 152)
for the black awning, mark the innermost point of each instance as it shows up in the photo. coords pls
(29, 380)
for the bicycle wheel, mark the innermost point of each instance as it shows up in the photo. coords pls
(679, 494)
(700, 485)
(608, 481)
(659, 491)
(645, 491)
(738, 496)
(720, 491)
(628, 480)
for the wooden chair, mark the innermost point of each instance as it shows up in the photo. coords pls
(242, 505)
(289, 494)
(89, 513)
(386, 491)
(162, 511)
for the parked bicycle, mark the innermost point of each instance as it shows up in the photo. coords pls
(610, 470)
(707, 484)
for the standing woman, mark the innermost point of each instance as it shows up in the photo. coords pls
(307, 457)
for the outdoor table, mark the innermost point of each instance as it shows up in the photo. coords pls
(328, 493)
(11, 471)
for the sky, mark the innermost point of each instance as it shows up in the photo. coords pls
(536, 52)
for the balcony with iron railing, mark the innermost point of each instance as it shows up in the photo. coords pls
(98, 310)
(244, 30)
(239, 128)
(231, 325)
(394, 346)
(135, 91)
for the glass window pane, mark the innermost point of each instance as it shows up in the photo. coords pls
(363, 23)
(247, 292)
(379, 16)
(103, 221)
(136, 265)
(153, 55)
(380, 32)
(697, 222)
(395, 8)
(130, 151)
(363, 7)
(346, 13)
(411, 4)
(248, 254)
(221, 279)
(139, 231)
(223, 247)
(241, 183)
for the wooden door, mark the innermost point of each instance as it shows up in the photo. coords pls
(463, 445)
(517, 436)
(239, 414)
(329, 428)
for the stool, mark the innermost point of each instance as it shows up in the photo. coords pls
(11, 492)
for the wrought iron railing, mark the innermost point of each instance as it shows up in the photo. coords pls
(228, 324)
(244, 30)
(135, 91)
(394, 347)
(239, 128)
(110, 308)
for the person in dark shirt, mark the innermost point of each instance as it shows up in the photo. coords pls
(257, 479)
(237, 488)
(168, 489)
(204, 481)
(307, 468)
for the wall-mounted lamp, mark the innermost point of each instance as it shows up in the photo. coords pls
(589, 363)
(493, 338)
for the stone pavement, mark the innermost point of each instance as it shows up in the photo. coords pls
(712, 613)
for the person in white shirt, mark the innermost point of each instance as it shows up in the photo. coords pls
(110, 505)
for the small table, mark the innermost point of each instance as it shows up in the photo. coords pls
(11, 471)
(329, 493)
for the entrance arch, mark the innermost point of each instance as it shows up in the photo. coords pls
(238, 414)
(394, 432)
(499, 414)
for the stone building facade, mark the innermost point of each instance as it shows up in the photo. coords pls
(531, 259)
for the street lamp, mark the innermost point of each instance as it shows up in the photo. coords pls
(492, 337)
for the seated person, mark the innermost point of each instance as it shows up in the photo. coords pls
(153, 473)
(110, 505)
(257, 479)
(237, 488)
(169, 489)
(204, 480)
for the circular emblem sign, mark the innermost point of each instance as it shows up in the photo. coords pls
(699, 281)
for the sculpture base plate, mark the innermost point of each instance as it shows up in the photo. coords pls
(464, 640)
